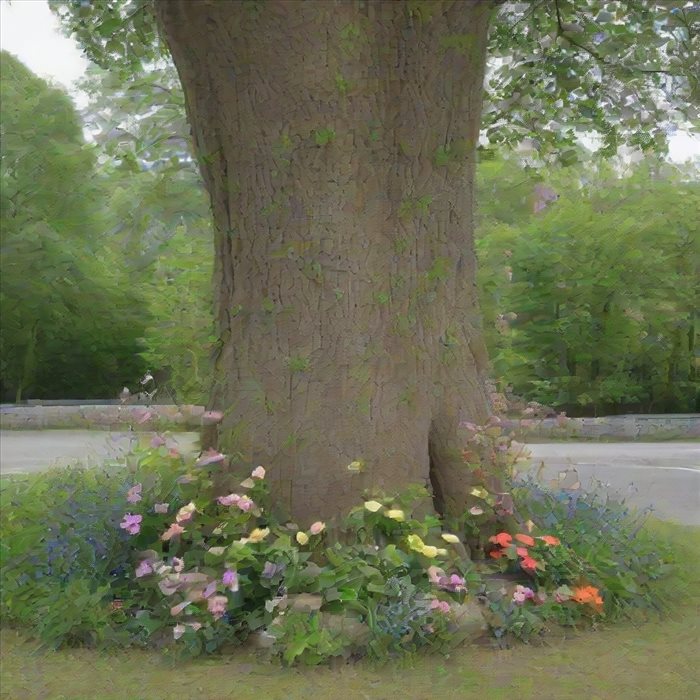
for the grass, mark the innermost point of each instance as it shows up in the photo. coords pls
(655, 659)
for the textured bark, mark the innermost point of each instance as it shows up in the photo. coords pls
(337, 140)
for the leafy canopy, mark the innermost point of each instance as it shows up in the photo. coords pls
(625, 71)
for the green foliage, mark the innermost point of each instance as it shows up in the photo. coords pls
(160, 221)
(70, 324)
(590, 302)
(613, 68)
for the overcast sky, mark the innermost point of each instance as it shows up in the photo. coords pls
(30, 31)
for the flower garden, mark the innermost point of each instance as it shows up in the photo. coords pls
(153, 556)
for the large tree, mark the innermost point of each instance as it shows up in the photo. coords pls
(337, 140)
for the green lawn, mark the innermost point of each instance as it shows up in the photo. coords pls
(656, 659)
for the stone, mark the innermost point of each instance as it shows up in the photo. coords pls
(305, 602)
(468, 622)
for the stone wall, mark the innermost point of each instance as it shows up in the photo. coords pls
(188, 417)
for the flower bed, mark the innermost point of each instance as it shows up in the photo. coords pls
(154, 556)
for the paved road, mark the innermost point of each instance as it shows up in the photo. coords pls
(665, 475)
(34, 450)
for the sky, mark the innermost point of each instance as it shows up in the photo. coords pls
(30, 31)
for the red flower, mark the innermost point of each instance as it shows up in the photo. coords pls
(502, 538)
(550, 540)
(496, 553)
(528, 564)
(522, 552)
(525, 539)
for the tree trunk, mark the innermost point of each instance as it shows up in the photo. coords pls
(337, 140)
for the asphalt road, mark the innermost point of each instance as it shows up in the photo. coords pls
(665, 475)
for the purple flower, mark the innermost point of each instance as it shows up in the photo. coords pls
(131, 523)
(245, 504)
(522, 593)
(133, 495)
(210, 590)
(230, 580)
(144, 568)
(230, 500)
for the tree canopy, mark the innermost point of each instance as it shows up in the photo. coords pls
(623, 72)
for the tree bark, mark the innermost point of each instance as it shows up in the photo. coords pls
(337, 139)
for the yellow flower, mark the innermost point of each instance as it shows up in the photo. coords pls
(373, 506)
(442, 552)
(396, 515)
(258, 535)
(479, 492)
(415, 543)
(302, 538)
(448, 537)
(429, 551)
(357, 466)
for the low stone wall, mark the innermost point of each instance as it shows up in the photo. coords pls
(188, 417)
(101, 417)
(631, 427)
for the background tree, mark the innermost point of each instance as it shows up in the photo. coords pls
(338, 143)
(590, 299)
(159, 220)
(68, 329)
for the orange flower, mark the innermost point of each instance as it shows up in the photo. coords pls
(502, 538)
(588, 595)
(525, 539)
(496, 553)
(529, 564)
(550, 540)
(522, 552)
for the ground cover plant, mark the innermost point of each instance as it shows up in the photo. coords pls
(168, 553)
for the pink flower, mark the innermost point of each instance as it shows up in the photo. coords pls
(258, 473)
(212, 417)
(173, 531)
(230, 580)
(161, 507)
(523, 593)
(440, 605)
(245, 504)
(211, 456)
(475, 510)
(317, 528)
(230, 500)
(157, 441)
(144, 568)
(173, 453)
(217, 606)
(133, 495)
(178, 565)
(435, 574)
(131, 523)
